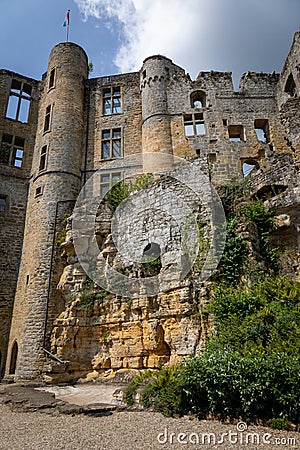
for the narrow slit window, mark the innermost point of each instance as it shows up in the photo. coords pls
(43, 158)
(2, 203)
(18, 106)
(47, 121)
(52, 79)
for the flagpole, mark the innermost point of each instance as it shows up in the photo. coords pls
(67, 31)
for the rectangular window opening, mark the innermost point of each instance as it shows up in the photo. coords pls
(236, 133)
(52, 79)
(47, 119)
(43, 158)
(261, 127)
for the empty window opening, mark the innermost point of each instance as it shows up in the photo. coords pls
(13, 359)
(290, 86)
(198, 99)
(27, 280)
(112, 101)
(236, 133)
(198, 151)
(19, 101)
(248, 166)
(47, 121)
(111, 144)
(194, 125)
(107, 180)
(261, 127)
(12, 150)
(144, 74)
(225, 123)
(52, 79)
(2, 203)
(212, 158)
(43, 158)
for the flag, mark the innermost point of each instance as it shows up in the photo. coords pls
(67, 19)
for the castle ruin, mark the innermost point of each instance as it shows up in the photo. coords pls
(57, 131)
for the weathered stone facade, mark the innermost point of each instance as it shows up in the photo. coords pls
(74, 126)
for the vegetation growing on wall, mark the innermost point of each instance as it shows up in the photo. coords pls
(250, 367)
(119, 191)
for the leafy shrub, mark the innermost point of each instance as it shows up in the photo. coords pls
(226, 383)
(134, 384)
(251, 365)
(266, 318)
(163, 391)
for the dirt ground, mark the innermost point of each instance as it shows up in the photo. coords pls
(32, 419)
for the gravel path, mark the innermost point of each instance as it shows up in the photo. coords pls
(130, 431)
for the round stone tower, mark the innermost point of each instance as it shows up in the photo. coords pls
(156, 132)
(54, 185)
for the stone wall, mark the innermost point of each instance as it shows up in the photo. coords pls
(14, 188)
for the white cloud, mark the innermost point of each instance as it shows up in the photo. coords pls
(198, 34)
(169, 27)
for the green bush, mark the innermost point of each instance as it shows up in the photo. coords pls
(225, 383)
(163, 392)
(266, 318)
(251, 365)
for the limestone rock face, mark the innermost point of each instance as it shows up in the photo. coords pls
(118, 333)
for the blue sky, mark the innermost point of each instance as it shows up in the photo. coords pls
(226, 35)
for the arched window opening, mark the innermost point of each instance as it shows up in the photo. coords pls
(13, 359)
(198, 99)
(290, 86)
(151, 260)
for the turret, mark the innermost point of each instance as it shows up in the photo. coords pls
(54, 186)
(156, 133)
